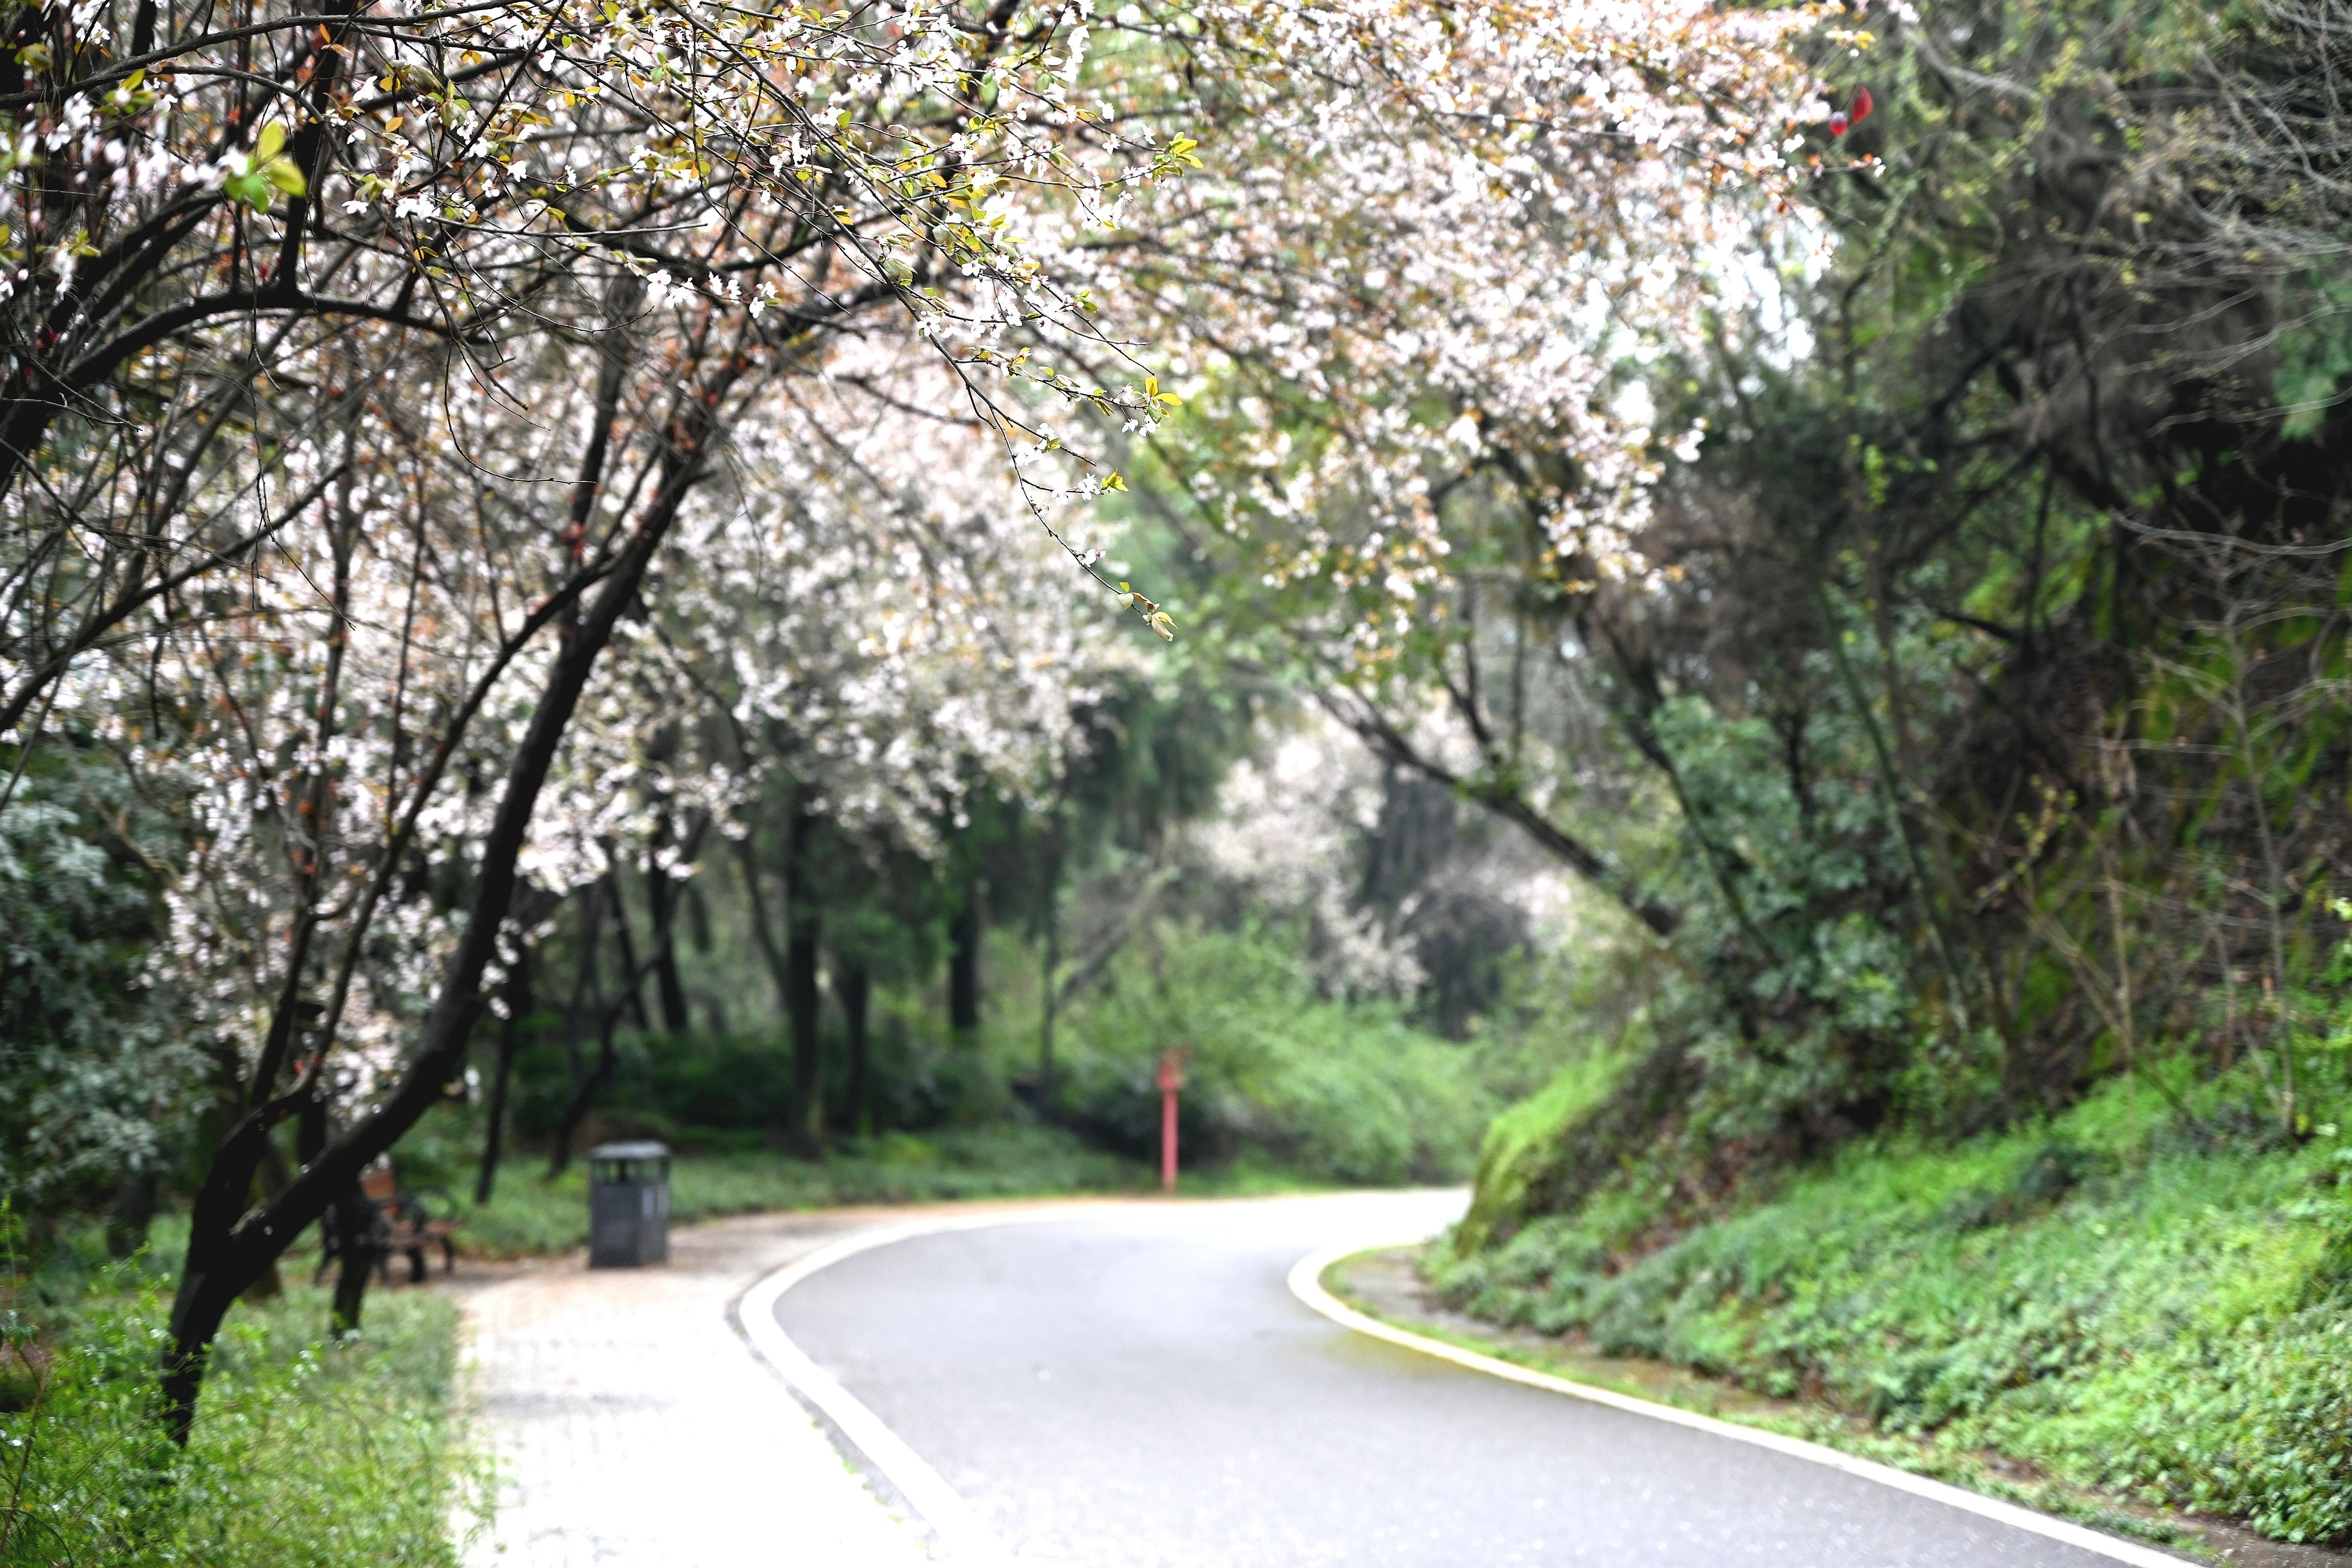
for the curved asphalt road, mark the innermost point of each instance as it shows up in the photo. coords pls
(1135, 1387)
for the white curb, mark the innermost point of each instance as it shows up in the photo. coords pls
(1307, 1284)
(961, 1534)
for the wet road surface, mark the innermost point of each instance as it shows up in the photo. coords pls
(1135, 1387)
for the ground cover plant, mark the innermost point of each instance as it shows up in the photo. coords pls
(311, 1453)
(2130, 1298)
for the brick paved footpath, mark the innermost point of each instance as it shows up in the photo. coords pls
(635, 1428)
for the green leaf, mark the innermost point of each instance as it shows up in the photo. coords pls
(250, 189)
(267, 169)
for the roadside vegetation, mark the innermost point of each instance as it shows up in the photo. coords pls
(2132, 1300)
(311, 1453)
(1971, 1051)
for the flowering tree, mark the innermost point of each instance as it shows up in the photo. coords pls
(362, 366)
(868, 629)
(1413, 317)
(192, 210)
(879, 614)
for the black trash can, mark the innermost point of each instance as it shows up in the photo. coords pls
(628, 1204)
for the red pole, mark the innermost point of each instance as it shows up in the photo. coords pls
(1168, 1141)
(1171, 1078)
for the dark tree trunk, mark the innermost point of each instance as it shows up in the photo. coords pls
(632, 995)
(271, 1177)
(963, 966)
(131, 1213)
(270, 1284)
(520, 1003)
(763, 925)
(662, 892)
(804, 927)
(587, 1002)
(853, 988)
(586, 1086)
(310, 1132)
(230, 1245)
(585, 1091)
(1048, 988)
(355, 1228)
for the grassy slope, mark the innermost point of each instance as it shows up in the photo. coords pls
(2102, 1297)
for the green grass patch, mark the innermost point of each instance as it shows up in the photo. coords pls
(305, 1454)
(1520, 1141)
(2124, 1306)
(530, 1215)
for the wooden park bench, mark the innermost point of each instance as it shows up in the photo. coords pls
(400, 1223)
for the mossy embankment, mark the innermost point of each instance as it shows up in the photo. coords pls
(2148, 1296)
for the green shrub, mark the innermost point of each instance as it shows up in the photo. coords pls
(305, 1454)
(1520, 1142)
(1339, 1090)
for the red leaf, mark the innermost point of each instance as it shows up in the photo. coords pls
(1861, 105)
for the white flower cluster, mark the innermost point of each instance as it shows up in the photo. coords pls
(1290, 827)
(351, 372)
